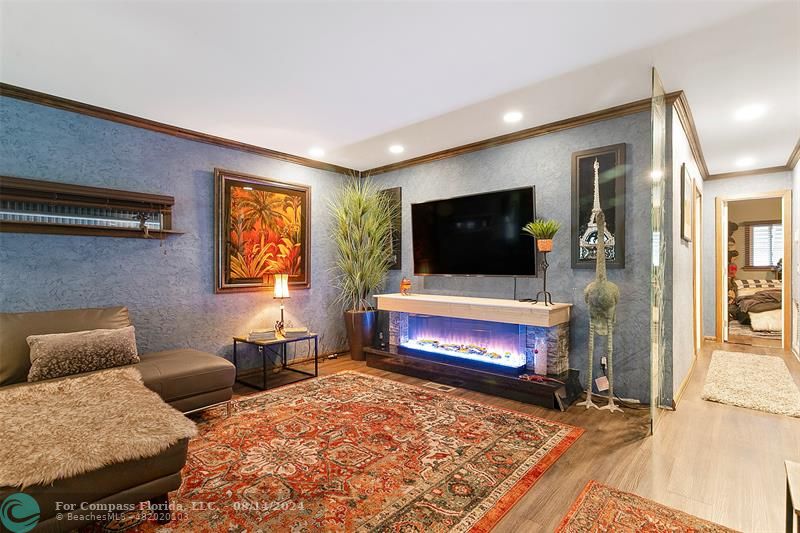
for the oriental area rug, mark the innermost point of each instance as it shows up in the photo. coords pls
(352, 452)
(601, 508)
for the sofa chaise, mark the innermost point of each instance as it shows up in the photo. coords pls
(189, 380)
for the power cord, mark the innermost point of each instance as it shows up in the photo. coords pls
(620, 400)
(515, 292)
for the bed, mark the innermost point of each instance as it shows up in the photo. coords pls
(758, 303)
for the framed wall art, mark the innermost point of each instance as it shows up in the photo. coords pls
(687, 203)
(261, 228)
(396, 195)
(609, 179)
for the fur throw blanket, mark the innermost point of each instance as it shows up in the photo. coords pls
(58, 429)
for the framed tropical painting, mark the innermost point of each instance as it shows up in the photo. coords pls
(261, 228)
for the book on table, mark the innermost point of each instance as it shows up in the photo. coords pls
(293, 333)
(261, 335)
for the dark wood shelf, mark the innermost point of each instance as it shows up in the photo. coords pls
(58, 208)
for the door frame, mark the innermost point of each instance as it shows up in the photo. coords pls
(720, 272)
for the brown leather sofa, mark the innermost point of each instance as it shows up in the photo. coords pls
(189, 380)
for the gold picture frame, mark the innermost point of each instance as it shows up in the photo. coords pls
(262, 227)
(687, 203)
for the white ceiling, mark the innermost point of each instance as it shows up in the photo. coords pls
(355, 77)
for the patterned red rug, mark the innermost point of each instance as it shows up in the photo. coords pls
(355, 452)
(601, 508)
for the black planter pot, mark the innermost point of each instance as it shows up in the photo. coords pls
(361, 327)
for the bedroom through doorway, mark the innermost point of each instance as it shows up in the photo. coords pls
(753, 246)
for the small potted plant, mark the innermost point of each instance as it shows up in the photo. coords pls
(543, 231)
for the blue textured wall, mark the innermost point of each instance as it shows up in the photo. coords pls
(171, 297)
(546, 163)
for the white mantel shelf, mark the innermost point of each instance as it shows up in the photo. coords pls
(491, 309)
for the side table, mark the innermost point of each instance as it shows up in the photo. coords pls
(276, 347)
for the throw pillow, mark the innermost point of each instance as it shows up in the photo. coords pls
(64, 354)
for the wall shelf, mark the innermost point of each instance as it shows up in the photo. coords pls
(36, 206)
(10, 226)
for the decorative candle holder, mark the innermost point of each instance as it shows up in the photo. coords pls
(405, 286)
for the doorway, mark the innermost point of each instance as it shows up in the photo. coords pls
(752, 294)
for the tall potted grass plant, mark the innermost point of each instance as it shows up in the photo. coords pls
(362, 233)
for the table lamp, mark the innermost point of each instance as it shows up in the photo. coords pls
(281, 291)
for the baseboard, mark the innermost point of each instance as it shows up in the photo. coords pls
(684, 383)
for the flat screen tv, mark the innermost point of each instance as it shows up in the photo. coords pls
(477, 235)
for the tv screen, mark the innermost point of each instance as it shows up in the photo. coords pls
(477, 235)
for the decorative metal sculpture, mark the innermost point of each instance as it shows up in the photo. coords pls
(589, 240)
(143, 217)
(602, 297)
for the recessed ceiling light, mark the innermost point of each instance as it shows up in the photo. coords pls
(746, 161)
(316, 152)
(750, 112)
(397, 149)
(512, 116)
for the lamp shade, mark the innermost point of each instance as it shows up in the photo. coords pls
(281, 286)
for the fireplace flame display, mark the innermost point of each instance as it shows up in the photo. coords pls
(476, 340)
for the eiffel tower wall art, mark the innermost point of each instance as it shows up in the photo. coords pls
(598, 182)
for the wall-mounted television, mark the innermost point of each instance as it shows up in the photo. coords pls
(476, 235)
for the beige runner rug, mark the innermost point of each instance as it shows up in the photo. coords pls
(760, 382)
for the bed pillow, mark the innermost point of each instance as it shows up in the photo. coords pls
(766, 321)
(748, 287)
(63, 354)
(757, 283)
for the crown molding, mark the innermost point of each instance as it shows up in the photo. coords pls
(536, 131)
(684, 113)
(794, 157)
(29, 95)
(754, 172)
(678, 98)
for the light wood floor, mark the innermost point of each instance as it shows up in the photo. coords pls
(718, 462)
(752, 340)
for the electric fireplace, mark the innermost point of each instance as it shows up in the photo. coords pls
(504, 347)
(492, 343)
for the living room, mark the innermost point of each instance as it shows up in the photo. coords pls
(274, 266)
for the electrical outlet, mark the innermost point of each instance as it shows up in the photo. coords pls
(604, 361)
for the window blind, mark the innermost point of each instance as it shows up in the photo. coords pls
(763, 244)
